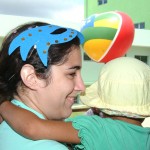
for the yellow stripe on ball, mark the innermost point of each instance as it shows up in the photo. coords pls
(96, 48)
(111, 23)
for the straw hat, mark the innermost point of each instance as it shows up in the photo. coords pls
(123, 88)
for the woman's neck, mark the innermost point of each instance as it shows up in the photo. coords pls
(30, 102)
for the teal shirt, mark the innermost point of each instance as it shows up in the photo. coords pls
(10, 140)
(106, 134)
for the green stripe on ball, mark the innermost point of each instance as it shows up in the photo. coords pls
(99, 33)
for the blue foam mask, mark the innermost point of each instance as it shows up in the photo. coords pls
(42, 39)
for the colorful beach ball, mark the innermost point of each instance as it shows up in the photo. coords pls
(107, 35)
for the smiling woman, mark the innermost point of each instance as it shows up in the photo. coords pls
(37, 60)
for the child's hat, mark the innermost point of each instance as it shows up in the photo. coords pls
(123, 89)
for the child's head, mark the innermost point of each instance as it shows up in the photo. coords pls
(122, 89)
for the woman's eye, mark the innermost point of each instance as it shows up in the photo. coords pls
(72, 74)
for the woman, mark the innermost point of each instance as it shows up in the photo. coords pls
(39, 71)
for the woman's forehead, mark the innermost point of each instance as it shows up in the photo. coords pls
(74, 57)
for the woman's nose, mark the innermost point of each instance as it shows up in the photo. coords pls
(79, 84)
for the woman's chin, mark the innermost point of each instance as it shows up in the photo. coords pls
(68, 113)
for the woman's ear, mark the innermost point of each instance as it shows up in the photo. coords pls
(28, 76)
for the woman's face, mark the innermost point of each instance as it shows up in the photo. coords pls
(56, 99)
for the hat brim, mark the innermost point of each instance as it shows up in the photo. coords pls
(91, 99)
(90, 96)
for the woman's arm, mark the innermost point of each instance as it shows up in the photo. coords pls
(29, 125)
